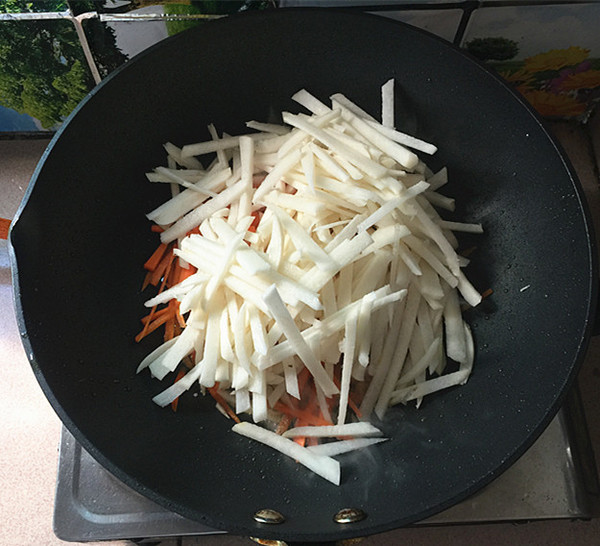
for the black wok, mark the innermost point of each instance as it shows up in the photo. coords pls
(80, 238)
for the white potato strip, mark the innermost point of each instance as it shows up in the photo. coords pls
(396, 151)
(404, 139)
(331, 449)
(461, 226)
(291, 378)
(330, 325)
(301, 348)
(341, 100)
(242, 400)
(440, 201)
(175, 154)
(417, 246)
(399, 355)
(434, 231)
(160, 350)
(187, 200)
(387, 104)
(428, 387)
(304, 242)
(167, 361)
(330, 165)
(331, 431)
(279, 169)
(268, 127)
(178, 290)
(211, 350)
(456, 347)
(202, 148)
(197, 216)
(391, 205)
(347, 363)
(171, 176)
(334, 144)
(370, 398)
(310, 102)
(422, 364)
(326, 467)
(162, 174)
(179, 387)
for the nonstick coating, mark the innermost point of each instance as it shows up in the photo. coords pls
(81, 238)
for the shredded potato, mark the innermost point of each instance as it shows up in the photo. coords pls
(312, 281)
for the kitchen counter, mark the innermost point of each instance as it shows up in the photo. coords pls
(29, 437)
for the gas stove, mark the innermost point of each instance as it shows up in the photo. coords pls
(554, 479)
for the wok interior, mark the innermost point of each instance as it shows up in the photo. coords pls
(82, 238)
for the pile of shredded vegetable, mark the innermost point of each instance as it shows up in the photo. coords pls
(306, 279)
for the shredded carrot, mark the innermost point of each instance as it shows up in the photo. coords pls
(169, 328)
(146, 280)
(155, 315)
(156, 228)
(307, 416)
(354, 407)
(194, 231)
(301, 440)
(214, 392)
(152, 324)
(152, 262)
(144, 331)
(162, 267)
(311, 441)
(487, 293)
(257, 216)
(468, 251)
(179, 317)
(284, 424)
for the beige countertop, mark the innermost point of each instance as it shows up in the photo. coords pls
(29, 437)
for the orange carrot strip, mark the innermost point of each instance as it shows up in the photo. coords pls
(284, 424)
(152, 262)
(169, 329)
(256, 220)
(179, 318)
(222, 402)
(306, 416)
(146, 327)
(354, 407)
(144, 331)
(156, 229)
(187, 272)
(468, 251)
(161, 268)
(487, 293)
(301, 440)
(146, 280)
(149, 327)
(193, 231)
(157, 313)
